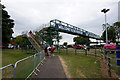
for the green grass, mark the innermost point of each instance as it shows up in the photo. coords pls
(10, 56)
(23, 69)
(86, 63)
(81, 66)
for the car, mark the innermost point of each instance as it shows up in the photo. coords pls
(109, 46)
(2, 45)
(78, 46)
(63, 47)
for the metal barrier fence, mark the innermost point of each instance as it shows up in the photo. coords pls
(23, 68)
(7, 71)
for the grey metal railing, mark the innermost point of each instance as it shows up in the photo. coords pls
(7, 71)
(23, 68)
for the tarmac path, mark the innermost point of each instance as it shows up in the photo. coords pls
(51, 68)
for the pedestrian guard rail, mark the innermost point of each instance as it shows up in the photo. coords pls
(23, 68)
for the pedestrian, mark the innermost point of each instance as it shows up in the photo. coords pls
(46, 53)
(49, 50)
(52, 50)
(88, 48)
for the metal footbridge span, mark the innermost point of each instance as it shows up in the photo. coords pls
(70, 29)
(55, 26)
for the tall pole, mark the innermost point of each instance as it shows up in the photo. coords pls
(106, 29)
(105, 11)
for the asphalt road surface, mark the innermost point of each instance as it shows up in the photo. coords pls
(51, 68)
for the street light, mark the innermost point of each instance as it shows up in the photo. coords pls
(105, 11)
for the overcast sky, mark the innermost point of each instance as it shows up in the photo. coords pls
(86, 14)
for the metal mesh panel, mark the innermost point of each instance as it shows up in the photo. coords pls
(25, 67)
(7, 71)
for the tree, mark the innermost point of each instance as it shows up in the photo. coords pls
(46, 37)
(81, 40)
(111, 34)
(104, 26)
(21, 40)
(117, 27)
(7, 25)
(65, 43)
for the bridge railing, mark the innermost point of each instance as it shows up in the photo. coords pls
(23, 68)
(68, 27)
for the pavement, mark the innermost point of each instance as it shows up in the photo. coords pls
(51, 68)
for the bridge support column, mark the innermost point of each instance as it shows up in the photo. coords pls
(50, 42)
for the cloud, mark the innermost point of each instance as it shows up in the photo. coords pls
(30, 14)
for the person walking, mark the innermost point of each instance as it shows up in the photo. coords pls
(49, 50)
(52, 50)
(46, 53)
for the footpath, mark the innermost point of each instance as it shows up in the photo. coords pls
(51, 68)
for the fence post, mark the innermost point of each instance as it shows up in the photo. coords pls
(105, 53)
(75, 52)
(14, 73)
(109, 67)
(40, 57)
(101, 49)
(59, 50)
(66, 50)
(95, 51)
(86, 52)
(34, 60)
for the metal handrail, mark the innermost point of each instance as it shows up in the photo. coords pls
(4, 68)
(26, 59)
(22, 60)
(7, 66)
(35, 41)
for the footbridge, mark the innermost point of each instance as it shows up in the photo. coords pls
(70, 29)
(37, 39)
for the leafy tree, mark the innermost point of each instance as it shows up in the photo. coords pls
(111, 34)
(46, 37)
(7, 25)
(117, 24)
(117, 28)
(65, 43)
(81, 40)
(104, 26)
(21, 40)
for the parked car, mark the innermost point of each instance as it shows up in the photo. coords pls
(78, 46)
(2, 45)
(109, 46)
(63, 47)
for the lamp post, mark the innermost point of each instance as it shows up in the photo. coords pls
(105, 11)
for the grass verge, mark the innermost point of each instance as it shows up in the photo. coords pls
(23, 69)
(10, 56)
(82, 66)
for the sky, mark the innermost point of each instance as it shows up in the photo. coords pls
(86, 14)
